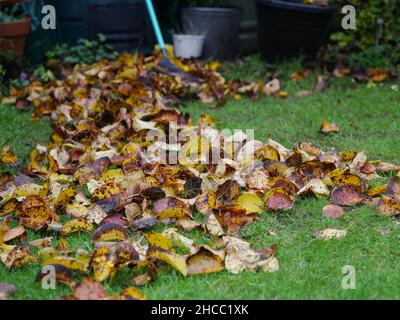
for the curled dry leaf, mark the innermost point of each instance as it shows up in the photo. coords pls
(204, 261)
(213, 226)
(317, 187)
(174, 260)
(141, 279)
(327, 127)
(14, 233)
(328, 234)
(41, 243)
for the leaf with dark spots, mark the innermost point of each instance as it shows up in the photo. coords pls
(62, 274)
(68, 262)
(167, 203)
(76, 225)
(154, 193)
(389, 206)
(110, 232)
(103, 263)
(192, 187)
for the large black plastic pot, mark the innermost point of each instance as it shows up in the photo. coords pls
(124, 22)
(220, 26)
(288, 28)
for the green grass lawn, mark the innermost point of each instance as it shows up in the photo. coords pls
(369, 119)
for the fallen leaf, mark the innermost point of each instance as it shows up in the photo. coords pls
(7, 290)
(202, 262)
(328, 234)
(347, 195)
(250, 202)
(174, 260)
(327, 127)
(333, 211)
(110, 232)
(76, 225)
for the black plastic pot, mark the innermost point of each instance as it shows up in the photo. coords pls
(220, 25)
(124, 22)
(288, 28)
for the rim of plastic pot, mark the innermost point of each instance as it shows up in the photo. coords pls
(215, 10)
(298, 6)
(189, 36)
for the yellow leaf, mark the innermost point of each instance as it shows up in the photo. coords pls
(110, 232)
(75, 226)
(158, 240)
(174, 260)
(68, 262)
(173, 213)
(250, 202)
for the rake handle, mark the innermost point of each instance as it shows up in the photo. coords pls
(156, 27)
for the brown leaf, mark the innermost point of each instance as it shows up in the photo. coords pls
(89, 289)
(327, 127)
(6, 290)
(62, 273)
(333, 211)
(347, 195)
(279, 201)
(204, 261)
(377, 74)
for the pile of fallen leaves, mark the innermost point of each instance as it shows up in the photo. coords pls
(100, 175)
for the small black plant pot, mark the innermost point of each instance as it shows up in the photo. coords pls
(288, 28)
(220, 26)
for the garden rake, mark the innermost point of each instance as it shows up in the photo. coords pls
(166, 63)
